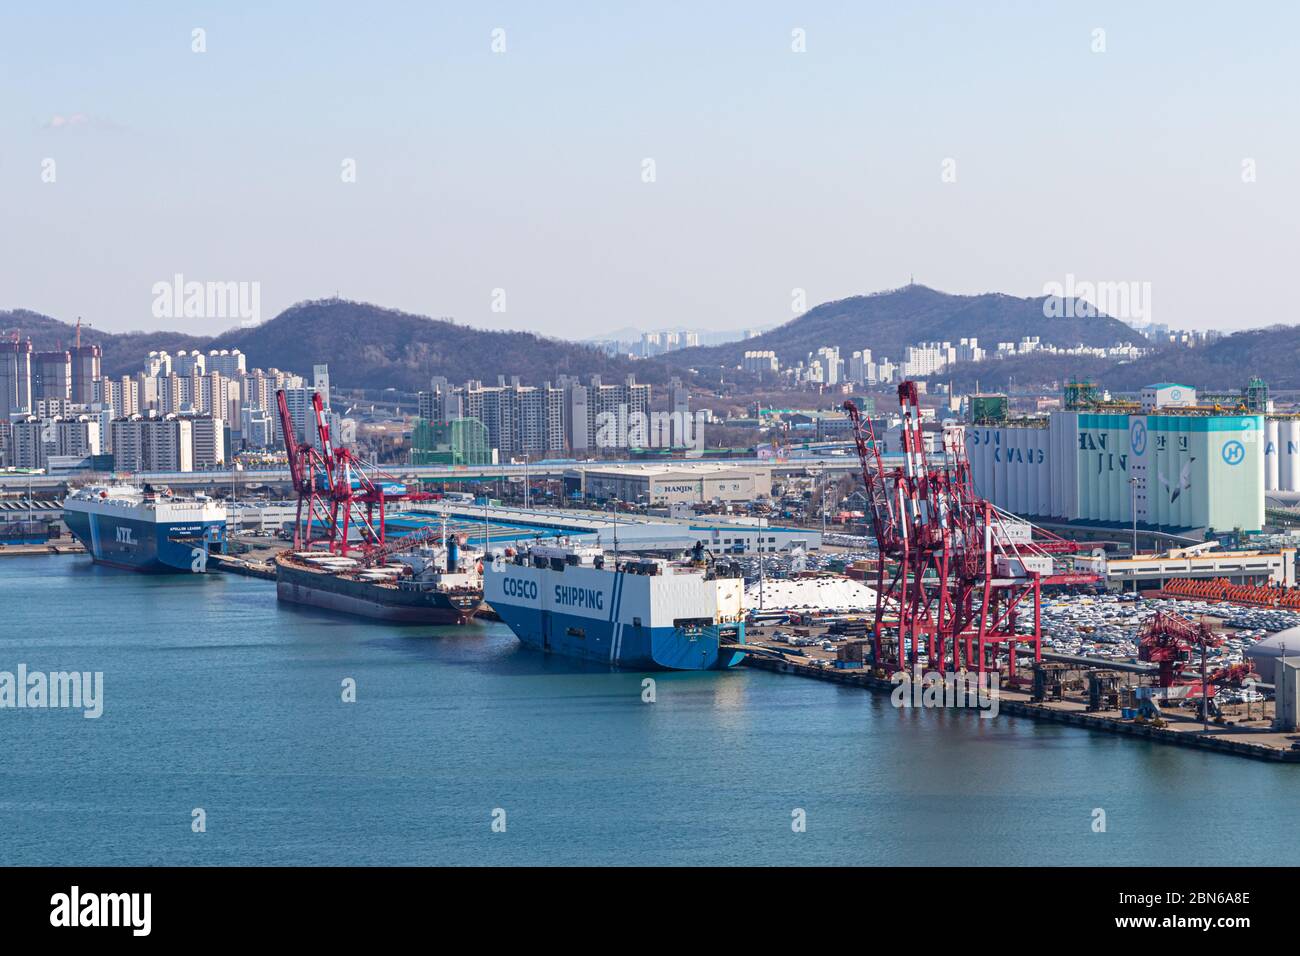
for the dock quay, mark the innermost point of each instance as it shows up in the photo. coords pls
(1253, 739)
(232, 565)
(57, 546)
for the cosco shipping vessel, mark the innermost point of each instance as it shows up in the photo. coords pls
(647, 614)
(143, 529)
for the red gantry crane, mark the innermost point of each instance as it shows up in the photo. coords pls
(956, 575)
(336, 494)
(1169, 641)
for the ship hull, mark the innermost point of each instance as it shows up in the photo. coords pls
(623, 620)
(155, 547)
(624, 645)
(330, 592)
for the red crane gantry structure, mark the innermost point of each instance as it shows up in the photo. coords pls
(955, 574)
(1170, 641)
(335, 490)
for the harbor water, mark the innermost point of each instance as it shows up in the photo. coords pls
(217, 698)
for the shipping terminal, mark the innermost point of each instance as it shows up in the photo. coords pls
(946, 585)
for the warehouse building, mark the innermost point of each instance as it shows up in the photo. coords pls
(670, 484)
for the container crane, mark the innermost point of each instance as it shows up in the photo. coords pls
(334, 488)
(964, 573)
(306, 467)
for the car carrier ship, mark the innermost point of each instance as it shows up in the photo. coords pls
(146, 529)
(641, 613)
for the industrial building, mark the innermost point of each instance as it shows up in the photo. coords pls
(1282, 453)
(667, 485)
(1165, 466)
(1200, 562)
(460, 441)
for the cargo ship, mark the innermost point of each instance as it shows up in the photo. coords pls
(424, 586)
(640, 613)
(417, 578)
(146, 529)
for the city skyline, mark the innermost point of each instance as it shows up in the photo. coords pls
(817, 149)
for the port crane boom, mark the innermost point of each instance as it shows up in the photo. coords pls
(957, 578)
(336, 494)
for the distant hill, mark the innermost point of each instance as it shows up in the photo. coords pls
(366, 346)
(888, 322)
(1272, 353)
(1226, 365)
(1027, 371)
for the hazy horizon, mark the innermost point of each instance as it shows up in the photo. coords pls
(1161, 160)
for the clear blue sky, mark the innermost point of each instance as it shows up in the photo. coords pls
(523, 170)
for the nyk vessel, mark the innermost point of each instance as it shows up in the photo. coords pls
(642, 613)
(146, 529)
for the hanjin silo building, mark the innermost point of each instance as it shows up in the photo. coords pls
(1172, 466)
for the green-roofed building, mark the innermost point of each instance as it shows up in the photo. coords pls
(460, 441)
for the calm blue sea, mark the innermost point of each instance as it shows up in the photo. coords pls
(217, 697)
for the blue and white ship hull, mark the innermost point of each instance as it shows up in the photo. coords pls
(146, 534)
(681, 621)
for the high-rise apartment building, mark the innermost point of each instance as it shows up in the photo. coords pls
(587, 406)
(15, 377)
(87, 361)
(51, 375)
(520, 419)
(153, 444)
